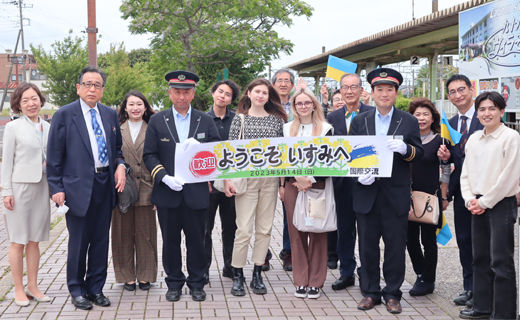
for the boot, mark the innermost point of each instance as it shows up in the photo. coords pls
(238, 282)
(257, 283)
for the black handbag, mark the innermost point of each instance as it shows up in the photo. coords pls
(129, 196)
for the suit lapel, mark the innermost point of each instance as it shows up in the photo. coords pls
(343, 123)
(371, 122)
(107, 125)
(139, 141)
(475, 122)
(394, 122)
(170, 122)
(79, 121)
(194, 123)
(454, 122)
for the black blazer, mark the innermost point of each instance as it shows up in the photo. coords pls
(70, 164)
(159, 158)
(337, 119)
(396, 189)
(458, 155)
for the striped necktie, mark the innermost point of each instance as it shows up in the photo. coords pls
(464, 131)
(100, 138)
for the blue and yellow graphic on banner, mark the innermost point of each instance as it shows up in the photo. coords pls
(444, 234)
(447, 132)
(337, 67)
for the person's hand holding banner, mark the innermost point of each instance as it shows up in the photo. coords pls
(396, 145)
(366, 179)
(173, 183)
(189, 142)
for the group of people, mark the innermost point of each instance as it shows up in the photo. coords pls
(84, 158)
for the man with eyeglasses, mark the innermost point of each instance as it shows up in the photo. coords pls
(460, 93)
(85, 168)
(283, 83)
(382, 204)
(351, 89)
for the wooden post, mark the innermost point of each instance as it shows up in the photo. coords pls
(91, 31)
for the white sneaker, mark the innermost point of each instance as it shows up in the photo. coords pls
(301, 292)
(313, 293)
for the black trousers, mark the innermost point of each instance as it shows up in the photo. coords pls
(424, 263)
(494, 281)
(192, 222)
(226, 209)
(89, 237)
(462, 218)
(346, 220)
(384, 222)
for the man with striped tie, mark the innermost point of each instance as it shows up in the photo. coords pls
(461, 93)
(85, 168)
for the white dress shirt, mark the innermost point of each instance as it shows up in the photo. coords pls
(470, 113)
(93, 142)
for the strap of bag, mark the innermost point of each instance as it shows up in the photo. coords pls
(242, 125)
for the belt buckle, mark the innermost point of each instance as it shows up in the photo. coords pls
(100, 169)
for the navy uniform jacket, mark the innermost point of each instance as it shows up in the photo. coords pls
(159, 158)
(337, 119)
(396, 189)
(458, 155)
(70, 164)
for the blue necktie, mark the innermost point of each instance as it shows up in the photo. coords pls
(100, 139)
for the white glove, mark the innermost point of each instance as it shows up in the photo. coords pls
(367, 179)
(396, 145)
(173, 182)
(189, 142)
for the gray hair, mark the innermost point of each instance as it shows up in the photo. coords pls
(291, 75)
(351, 75)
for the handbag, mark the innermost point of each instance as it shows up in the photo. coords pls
(425, 208)
(315, 210)
(129, 196)
(240, 184)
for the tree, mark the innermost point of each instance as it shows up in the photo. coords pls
(206, 36)
(62, 65)
(139, 56)
(121, 77)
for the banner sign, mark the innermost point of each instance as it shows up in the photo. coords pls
(288, 156)
(489, 49)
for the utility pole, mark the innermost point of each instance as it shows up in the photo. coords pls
(91, 31)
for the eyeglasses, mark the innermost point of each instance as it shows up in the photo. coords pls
(286, 81)
(306, 103)
(89, 85)
(460, 90)
(352, 87)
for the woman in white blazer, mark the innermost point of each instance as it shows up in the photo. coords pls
(24, 189)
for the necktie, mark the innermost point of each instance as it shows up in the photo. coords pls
(100, 139)
(464, 131)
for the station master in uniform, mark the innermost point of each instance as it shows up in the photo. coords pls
(381, 205)
(180, 207)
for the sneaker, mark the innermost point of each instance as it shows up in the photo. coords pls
(301, 292)
(313, 293)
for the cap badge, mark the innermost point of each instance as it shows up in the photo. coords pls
(181, 77)
(383, 75)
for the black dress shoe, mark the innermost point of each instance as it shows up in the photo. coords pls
(145, 285)
(81, 302)
(173, 294)
(129, 286)
(99, 299)
(421, 288)
(227, 272)
(472, 314)
(463, 298)
(198, 294)
(205, 278)
(343, 283)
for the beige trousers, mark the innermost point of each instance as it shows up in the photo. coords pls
(255, 208)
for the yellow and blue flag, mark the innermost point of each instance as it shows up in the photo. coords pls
(447, 132)
(337, 67)
(444, 234)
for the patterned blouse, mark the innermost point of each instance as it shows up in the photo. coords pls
(257, 127)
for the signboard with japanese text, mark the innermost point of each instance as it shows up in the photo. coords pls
(279, 157)
(489, 48)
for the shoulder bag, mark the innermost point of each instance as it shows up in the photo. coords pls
(425, 208)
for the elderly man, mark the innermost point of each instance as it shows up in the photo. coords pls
(351, 89)
(85, 166)
(180, 207)
(381, 205)
(460, 93)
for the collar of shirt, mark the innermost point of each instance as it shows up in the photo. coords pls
(85, 108)
(470, 113)
(287, 107)
(179, 116)
(383, 122)
(495, 134)
(214, 116)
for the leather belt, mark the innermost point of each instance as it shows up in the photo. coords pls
(101, 169)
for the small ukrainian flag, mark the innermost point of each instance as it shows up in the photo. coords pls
(337, 67)
(447, 132)
(444, 234)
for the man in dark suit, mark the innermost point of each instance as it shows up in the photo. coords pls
(460, 93)
(85, 166)
(180, 207)
(382, 204)
(344, 240)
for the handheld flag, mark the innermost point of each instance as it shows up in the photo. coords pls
(337, 67)
(447, 132)
(444, 234)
